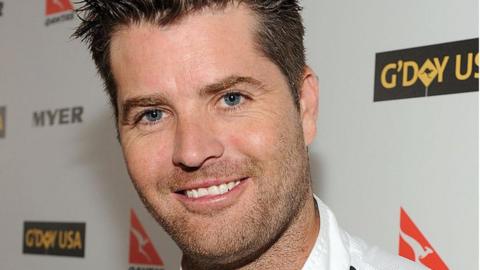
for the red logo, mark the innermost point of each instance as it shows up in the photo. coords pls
(57, 6)
(414, 246)
(142, 250)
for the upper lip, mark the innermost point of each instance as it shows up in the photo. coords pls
(205, 183)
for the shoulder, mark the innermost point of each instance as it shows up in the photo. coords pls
(365, 257)
(339, 249)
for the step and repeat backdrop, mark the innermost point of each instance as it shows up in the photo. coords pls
(396, 155)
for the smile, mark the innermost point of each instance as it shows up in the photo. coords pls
(211, 190)
(211, 196)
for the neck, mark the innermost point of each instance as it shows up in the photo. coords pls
(292, 248)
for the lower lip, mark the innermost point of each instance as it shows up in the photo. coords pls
(213, 203)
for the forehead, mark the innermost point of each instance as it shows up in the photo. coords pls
(196, 50)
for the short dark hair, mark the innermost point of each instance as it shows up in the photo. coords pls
(279, 37)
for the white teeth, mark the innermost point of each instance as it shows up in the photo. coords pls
(202, 192)
(212, 190)
(223, 188)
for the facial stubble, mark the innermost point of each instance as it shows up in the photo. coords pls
(281, 191)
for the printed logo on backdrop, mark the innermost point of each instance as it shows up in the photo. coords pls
(142, 254)
(446, 68)
(62, 116)
(414, 246)
(54, 238)
(58, 11)
(3, 121)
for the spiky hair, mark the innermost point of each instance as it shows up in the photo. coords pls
(279, 35)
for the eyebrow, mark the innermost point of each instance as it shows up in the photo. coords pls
(211, 89)
(142, 101)
(228, 82)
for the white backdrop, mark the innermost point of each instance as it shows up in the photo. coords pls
(369, 158)
(420, 154)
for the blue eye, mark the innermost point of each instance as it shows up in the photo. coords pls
(153, 115)
(232, 99)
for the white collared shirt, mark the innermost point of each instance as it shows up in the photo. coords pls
(336, 250)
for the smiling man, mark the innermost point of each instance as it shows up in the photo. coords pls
(215, 109)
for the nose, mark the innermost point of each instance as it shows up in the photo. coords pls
(195, 143)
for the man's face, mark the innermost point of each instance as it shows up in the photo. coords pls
(212, 139)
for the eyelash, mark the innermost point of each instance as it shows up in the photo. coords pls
(144, 113)
(238, 106)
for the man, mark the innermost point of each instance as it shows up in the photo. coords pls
(215, 109)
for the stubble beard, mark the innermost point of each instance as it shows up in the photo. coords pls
(243, 239)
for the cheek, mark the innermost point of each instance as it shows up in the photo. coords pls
(257, 141)
(146, 160)
(249, 138)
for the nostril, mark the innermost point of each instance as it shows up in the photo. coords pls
(187, 168)
(195, 142)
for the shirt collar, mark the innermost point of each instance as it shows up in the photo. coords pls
(330, 250)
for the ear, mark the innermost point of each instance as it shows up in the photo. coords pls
(308, 98)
